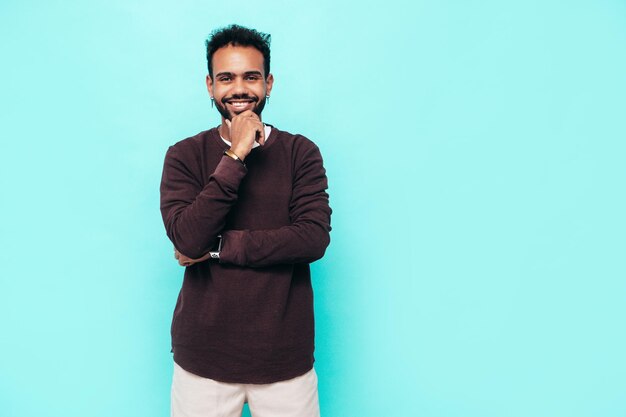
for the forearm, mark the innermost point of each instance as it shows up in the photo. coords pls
(305, 239)
(301, 243)
(194, 216)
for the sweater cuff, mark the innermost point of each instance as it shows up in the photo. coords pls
(230, 172)
(233, 248)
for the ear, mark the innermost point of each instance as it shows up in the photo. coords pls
(209, 85)
(269, 82)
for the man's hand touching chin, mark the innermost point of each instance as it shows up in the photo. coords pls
(245, 129)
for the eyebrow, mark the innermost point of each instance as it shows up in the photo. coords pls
(230, 74)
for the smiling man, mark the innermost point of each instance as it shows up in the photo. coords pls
(246, 208)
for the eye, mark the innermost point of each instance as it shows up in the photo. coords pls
(224, 79)
(252, 77)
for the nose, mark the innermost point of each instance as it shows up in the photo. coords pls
(239, 86)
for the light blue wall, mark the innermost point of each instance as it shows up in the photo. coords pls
(476, 155)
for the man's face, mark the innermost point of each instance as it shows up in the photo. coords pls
(239, 82)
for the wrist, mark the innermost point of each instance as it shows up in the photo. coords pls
(240, 150)
(233, 155)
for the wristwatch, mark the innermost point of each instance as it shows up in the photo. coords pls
(215, 253)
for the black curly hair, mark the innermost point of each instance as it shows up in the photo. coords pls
(238, 36)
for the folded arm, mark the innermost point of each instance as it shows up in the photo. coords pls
(305, 239)
(194, 215)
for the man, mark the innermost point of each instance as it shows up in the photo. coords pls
(243, 324)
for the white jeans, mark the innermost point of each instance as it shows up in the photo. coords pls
(195, 396)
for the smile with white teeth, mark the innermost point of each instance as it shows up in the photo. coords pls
(239, 104)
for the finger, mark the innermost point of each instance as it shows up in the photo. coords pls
(243, 115)
(185, 261)
(249, 114)
(261, 134)
(228, 123)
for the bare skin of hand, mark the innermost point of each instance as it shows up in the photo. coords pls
(245, 129)
(187, 261)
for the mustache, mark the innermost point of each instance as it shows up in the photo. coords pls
(240, 97)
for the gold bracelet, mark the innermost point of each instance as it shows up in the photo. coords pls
(232, 154)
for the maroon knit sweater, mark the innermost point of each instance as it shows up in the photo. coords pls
(249, 317)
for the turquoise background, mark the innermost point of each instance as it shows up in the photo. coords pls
(475, 151)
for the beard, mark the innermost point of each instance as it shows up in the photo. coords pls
(257, 109)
